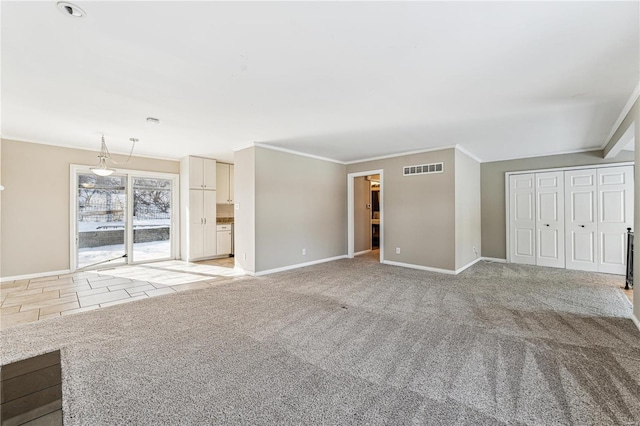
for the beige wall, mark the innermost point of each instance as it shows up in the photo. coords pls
(361, 214)
(419, 211)
(468, 215)
(301, 203)
(493, 191)
(244, 228)
(35, 204)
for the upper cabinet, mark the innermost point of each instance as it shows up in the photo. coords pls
(202, 173)
(224, 176)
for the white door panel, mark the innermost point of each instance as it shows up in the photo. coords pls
(524, 207)
(550, 219)
(210, 227)
(196, 223)
(524, 242)
(581, 225)
(548, 242)
(522, 219)
(615, 199)
(612, 206)
(583, 248)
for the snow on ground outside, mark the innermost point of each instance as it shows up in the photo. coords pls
(141, 251)
(115, 225)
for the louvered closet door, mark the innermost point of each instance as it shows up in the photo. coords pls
(615, 199)
(522, 209)
(581, 206)
(550, 219)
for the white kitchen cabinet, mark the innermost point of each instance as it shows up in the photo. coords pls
(198, 236)
(231, 182)
(224, 182)
(202, 173)
(224, 239)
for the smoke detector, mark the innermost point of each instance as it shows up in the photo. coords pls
(70, 10)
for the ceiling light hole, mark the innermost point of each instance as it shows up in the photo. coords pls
(70, 9)
(153, 120)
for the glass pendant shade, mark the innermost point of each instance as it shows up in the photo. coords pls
(101, 169)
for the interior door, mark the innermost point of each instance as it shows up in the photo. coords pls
(581, 205)
(615, 208)
(522, 238)
(550, 219)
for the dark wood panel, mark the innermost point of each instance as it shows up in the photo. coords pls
(29, 383)
(51, 419)
(36, 413)
(31, 402)
(25, 366)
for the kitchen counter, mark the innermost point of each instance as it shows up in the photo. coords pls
(224, 220)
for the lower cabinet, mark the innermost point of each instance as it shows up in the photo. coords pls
(224, 239)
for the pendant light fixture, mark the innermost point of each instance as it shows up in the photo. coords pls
(102, 169)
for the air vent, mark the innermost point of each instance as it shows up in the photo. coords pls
(423, 169)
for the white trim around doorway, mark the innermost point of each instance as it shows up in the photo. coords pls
(351, 209)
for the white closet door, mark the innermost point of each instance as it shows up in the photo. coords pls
(522, 219)
(581, 206)
(550, 219)
(615, 202)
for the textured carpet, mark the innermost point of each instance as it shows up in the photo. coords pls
(354, 342)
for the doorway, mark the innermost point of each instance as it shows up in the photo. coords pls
(365, 214)
(124, 218)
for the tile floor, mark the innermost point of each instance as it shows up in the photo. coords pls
(41, 298)
(629, 294)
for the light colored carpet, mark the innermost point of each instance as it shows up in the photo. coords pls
(354, 342)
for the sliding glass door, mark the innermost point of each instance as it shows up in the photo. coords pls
(123, 218)
(101, 219)
(151, 219)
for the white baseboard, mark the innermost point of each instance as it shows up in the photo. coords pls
(430, 269)
(468, 265)
(37, 275)
(635, 321)
(244, 271)
(362, 252)
(297, 265)
(420, 267)
(494, 259)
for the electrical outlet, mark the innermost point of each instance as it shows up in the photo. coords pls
(304, 252)
(397, 250)
(244, 256)
(475, 251)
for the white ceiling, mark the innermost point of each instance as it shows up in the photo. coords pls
(340, 80)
